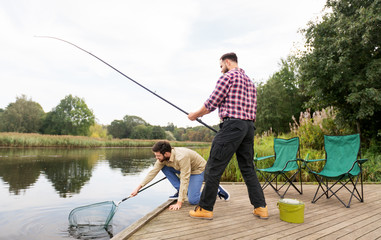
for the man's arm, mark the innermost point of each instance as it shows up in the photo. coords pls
(151, 175)
(201, 112)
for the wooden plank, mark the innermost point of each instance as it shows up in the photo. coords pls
(373, 234)
(126, 233)
(327, 218)
(319, 221)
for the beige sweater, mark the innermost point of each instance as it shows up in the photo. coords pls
(184, 160)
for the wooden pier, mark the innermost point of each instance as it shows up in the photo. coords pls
(233, 219)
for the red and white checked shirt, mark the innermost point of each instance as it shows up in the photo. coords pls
(235, 96)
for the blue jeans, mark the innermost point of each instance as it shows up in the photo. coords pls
(194, 187)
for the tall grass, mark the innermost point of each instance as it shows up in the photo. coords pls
(264, 146)
(372, 168)
(42, 140)
(310, 129)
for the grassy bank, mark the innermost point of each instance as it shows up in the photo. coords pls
(42, 140)
(263, 146)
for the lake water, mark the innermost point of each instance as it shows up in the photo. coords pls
(39, 187)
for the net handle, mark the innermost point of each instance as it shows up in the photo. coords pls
(124, 199)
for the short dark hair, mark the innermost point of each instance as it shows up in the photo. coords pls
(231, 56)
(162, 147)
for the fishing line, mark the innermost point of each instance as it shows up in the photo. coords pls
(165, 100)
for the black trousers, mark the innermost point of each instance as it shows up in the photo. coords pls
(235, 136)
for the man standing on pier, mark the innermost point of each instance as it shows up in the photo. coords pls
(235, 97)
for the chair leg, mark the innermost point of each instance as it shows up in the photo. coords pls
(320, 182)
(268, 182)
(270, 178)
(276, 189)
(352, 192)
(300, 180)
(276, 182)
(264, 185)
(355, 190)
(290, 183)
(362, 190)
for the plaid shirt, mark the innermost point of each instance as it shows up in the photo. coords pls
(235, 96)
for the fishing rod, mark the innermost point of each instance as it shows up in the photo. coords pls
(165, 100)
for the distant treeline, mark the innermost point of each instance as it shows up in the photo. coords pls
(73, 117)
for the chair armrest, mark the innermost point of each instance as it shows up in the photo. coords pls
(357, 162)
(263, 158)
(361, 161)
(294, 160)
(306, 161)
(315, 160)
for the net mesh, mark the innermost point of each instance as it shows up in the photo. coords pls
(91, 232)
(98, 214)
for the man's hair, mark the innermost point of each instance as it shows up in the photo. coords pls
(162, 147)
(231, 56)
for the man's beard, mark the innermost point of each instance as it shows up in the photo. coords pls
(164, 159)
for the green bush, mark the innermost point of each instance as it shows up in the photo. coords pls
(310, 129)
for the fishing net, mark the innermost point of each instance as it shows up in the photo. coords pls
(87, 232)
(98, 214)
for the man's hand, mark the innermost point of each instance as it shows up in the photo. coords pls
(192, 116)
(176, 206)
(136, 191)
(201, 112)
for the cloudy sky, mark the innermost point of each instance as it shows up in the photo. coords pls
(172, 47)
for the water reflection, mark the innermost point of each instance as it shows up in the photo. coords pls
(40, 186)
(67, 169)
(130, 160)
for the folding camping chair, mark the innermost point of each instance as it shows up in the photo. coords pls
(286, 160)
(342, 166)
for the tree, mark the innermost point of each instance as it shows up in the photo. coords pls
(1, 121)
(279, 99)
(98, 131)
(158, 132)
(141, 131)
(24, 115)
(342, 64)
(117, 129)
(131, 122)
(126, 128)
(136, 128)
(199, 133)
(179, 133)
(170, 127)
(70, 117)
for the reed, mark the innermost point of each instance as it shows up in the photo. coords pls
(42, 140)
(264, 146)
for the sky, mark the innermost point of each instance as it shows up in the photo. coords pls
(171, 47)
